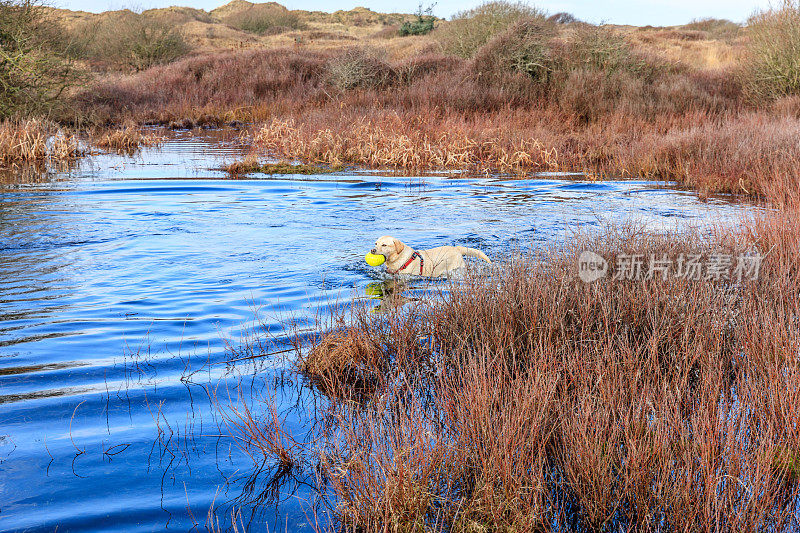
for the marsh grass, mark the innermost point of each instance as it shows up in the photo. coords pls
(533, 96)
(751, 155)
(531, 400)
(36, 142)
(598, 107)
(254, 166)
(128, 139)
(393, 144)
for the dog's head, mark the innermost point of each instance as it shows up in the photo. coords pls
(389, 247)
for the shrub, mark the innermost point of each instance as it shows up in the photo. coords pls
(563, 18)
(133, 40)
(529, 47)
(423, 25)
(471, 29)
(34, 71)
(265, 19)
(358, 68)
(601, 48)
(721, 29)
(524, 48)
(152, 43)
(590, 74)
(772, 67)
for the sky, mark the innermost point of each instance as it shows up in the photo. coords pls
(636, 12)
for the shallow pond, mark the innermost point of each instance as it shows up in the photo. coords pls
(125, 283)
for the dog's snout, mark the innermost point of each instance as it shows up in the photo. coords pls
(374, 251)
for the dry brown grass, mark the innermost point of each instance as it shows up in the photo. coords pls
(600, 107)
(692, 47)
(36, 142)
(393, 144)
(751, 154)
(252, 165)
(128, 139)
(537, 97)
(531, 400)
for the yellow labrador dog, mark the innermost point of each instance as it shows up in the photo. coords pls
(403, 259)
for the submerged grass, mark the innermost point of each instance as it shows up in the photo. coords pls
(253, 166)
(128, 139)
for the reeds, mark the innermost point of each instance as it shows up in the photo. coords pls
(128, 139)
(622, 116)
(393, 144)
(36, 142)
(750, 154)
(530, 400)
(251, 165)
(597, 105)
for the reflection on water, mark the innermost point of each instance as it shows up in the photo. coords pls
(125, 284)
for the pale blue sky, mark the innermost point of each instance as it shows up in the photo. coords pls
(638, 12)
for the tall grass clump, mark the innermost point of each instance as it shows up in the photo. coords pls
(265, 19)
(33, 141)
(392, 143)
(468, 30)
(127, 140)
(772, 65)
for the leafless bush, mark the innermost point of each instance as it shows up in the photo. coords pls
(358, 68)
(471, 29)
(34, 69)
(772, 69)
(265, 19)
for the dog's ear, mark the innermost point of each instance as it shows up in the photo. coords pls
(398, 246)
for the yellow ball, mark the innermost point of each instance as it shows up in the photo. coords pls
(374, 259)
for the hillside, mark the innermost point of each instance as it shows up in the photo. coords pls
(235, 26)
(241, 25)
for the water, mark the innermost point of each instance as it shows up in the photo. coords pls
(123, 281)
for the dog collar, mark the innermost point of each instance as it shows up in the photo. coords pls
(415, 255)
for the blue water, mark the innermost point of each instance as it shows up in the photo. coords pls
(127, 286)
